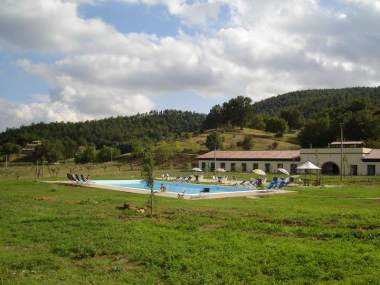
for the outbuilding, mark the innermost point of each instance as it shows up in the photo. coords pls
(357, 159)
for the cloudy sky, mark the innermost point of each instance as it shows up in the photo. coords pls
(70, 60)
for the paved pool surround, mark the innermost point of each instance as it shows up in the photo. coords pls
(253, 193)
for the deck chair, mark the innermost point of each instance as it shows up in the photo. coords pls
(70, 177)
(77, 178)
(83, 178)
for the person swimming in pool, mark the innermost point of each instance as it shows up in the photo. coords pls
(162, 188)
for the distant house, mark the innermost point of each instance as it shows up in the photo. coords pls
(30, 147)
(357, 159)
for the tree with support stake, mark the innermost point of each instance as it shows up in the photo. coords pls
(147, 174)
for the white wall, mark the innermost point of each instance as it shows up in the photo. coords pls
(318, 156)
(250, 164)
(351, 156)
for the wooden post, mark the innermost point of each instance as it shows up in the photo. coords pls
(215, 161)
(37, 174)
(341, 152)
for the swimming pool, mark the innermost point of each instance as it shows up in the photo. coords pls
(171, 187)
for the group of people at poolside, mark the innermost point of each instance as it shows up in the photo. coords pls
(276, 183)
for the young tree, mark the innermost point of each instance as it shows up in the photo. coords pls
(276, 125)
(247, 143)
(214, 141)
(147, 174)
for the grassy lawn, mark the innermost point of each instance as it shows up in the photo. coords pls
(56, 234)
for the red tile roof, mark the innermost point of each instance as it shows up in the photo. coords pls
(260, 155)
(374, 154)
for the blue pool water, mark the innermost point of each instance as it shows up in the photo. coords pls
(172, 187)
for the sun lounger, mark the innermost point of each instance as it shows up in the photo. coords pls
(77, 178)
(70, 177)
(273, 184)
(83, 178)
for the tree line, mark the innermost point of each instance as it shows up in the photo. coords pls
(63, 140)
(315, 114)
(240, 112)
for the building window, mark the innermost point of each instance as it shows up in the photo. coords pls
(233, 167)
(223, 165)
(293, 168)
(280, 165)
(244, 167)
(203, 166)
(371, 170)
(255, 166)
(267, 167)
(212, 168)
(354, 170)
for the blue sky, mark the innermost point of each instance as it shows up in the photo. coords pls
(20, 86)
(136, 18)
(85, 59)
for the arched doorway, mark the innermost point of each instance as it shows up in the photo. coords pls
(330, 168)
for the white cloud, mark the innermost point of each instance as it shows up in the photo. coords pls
(267, 48)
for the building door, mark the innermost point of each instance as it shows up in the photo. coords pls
(203, 166)
(255, 166)
(354, 170)
(267, 167)
(371, 170)
(223, 165)
(233, 167)
(330, 168)
(244, 167)
(212, 167)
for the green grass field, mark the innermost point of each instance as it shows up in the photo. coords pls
(53, 234)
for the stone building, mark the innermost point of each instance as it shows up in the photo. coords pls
(357, 159)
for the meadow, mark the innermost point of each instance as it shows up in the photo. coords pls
(54, 234)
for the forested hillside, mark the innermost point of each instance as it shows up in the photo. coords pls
(152, 126)
(315, 115)
(120, 132)
(313, 102)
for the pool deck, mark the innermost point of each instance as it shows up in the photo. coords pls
(253, 193)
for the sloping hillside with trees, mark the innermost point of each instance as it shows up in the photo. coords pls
(316, 113)
(312, 102)
(66, 140)
(301, 118)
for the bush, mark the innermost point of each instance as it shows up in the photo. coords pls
(86, 155)
(247, 143)
(107, 154)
